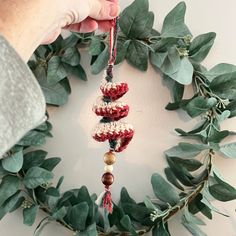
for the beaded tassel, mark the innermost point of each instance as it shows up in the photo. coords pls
(110, 128)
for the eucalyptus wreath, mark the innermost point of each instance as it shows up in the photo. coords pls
(191, 182)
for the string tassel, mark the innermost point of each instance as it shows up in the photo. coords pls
(107, 201)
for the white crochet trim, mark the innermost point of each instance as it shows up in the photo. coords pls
(109, 85)
(115, 126)
(100, 105)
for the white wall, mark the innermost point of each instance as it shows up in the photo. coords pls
(82, 156)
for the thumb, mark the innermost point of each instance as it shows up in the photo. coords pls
(104, 9)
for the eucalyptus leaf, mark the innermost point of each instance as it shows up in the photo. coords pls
(71, 56)
(8, 187)
(36, 176)
(127, 224)
(55, 94)
(172, 179)
(220, 69)
(30, 214)
(174, 25)
(136, 21)
(186, 150)
(33, 158)
(91, 230)
(224, 85)
(201, 45)
(160, 231)
(199, 105)
(50, 163)
(9, 204)
(229, 150)
(137, 55)
(223, 192)
(101, 61)
(163, 190)
(56, 70)
(78, 215)
(60, 214)
(14, 162)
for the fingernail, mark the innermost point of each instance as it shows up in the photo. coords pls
(113, 10)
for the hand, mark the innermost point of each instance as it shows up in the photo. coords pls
(85, 16)
(26, 23)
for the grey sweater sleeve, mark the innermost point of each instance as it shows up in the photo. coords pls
(22, 104)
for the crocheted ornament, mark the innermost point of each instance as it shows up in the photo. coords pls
(110, 128)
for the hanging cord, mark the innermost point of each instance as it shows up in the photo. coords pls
(113, 48)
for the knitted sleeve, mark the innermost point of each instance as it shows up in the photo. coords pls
(22, 104)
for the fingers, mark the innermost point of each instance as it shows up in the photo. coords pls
(104, 9)
(87, 25)
(51, 37)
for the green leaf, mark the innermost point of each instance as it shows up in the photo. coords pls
(174, 25)
(201, 46)
(36, 176)
(137, 55)
(33, 138)
(8, 187)
(189, 164)
(50, 163)
(70, 41)
(186, 150)
(136, 21)
(223, 192)
(178, 91)
(224, 85)
(71, 56)
(229, 150)
(9, 204)
(33, 158)
(218, 136)
(55, 94)
(220, 69)
(170, 63)
(199, 105)
(54, 192)
(101, 61)
(56, 70)
(95, 47)
(77, 71)
(163, 190)
(160, 231)
(122, 48)
(78, 215)
(193, 229)
(30, 214)
(60, 214)
(91, 230)
(185, 73)
(172, 179)
(13, 163)
(127, 224)
(209, 205)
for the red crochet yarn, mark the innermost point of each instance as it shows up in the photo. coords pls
(115, 113)
(115, 93)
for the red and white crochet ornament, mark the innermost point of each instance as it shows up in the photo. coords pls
(110, 128)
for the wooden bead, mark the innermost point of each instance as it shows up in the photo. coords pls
(109, 158)
(108, 168)
(107, 179)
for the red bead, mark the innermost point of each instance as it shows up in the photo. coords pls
(107, 179)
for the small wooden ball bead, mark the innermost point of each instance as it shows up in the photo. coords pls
(109, 158)
(108, 168)
(107, 179)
